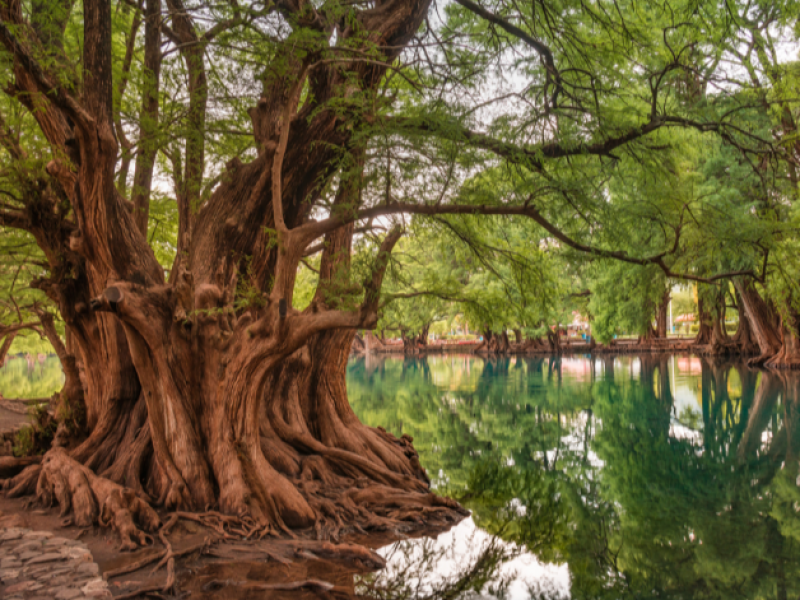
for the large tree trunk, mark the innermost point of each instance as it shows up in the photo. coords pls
(704, 332)
(788, 357)
(414, 344)
(661, 316)
(207, 389)
(763, 321)
(743, 338)
(5, 346)
(554, 340)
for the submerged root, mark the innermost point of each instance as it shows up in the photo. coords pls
(95, 500)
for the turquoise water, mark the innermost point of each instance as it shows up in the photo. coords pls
(627, 477)
(619, 477)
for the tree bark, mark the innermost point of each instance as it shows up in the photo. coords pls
(5, 346)
(788, 357)
(743, 338)
(762, 319)
(704, 333)
(661, 315)
(209, 389)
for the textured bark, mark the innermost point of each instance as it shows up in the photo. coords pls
(4, 347)
(743, 338)
(763, 321)
(359, 345)
(72, 405)
(372, 342)
(413, 344)
(788, 357)
(661, 316)
(146, 155)
(554, 340)
(494, 343)
(193, 401)
(704, 319)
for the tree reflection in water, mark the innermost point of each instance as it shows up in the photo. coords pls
(645, 480)
(643, 477)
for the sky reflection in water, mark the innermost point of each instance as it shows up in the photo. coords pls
(639, 477)
(619, 477)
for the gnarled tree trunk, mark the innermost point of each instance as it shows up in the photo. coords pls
(705, 330)
(764, 323)
(661, 316)
(207, 389)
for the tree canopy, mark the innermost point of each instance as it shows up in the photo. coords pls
(200, 205)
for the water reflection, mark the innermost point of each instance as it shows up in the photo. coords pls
(606, 477)
(643, 477)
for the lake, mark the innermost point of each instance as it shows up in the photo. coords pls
(614, 477)
(608, 477)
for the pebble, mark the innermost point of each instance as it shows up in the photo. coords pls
(35, 565)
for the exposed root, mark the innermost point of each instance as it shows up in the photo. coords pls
(139, 592)
(134, 566)
(312, 584)
(23, 484)
(11, 467)
(759, 360)
(93, 499)
(788, 357)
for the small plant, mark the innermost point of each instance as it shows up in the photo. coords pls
(24, 442)
(72, 415)
(37, 437)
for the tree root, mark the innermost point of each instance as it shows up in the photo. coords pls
(312, 584)
(93, 499)
(138, 593)
(134, 566)
(23, 484)
(11, 467)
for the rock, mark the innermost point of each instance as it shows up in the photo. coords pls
(88, 568)
(66, 593)
(75, 553)
(20, 587)
(96, 588)
(10, 534)
(56, 542)
(30, 546)
(62, 571)
(8, 574)
(44, 558)
(37, 535)
(54, 568)
(10, 563)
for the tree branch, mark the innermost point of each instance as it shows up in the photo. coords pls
(544, 52)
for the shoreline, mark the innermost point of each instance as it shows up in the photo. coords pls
(672, 346)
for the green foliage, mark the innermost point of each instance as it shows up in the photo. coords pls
(42, 380)
(36, 438)
(24, 442)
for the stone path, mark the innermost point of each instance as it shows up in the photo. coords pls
(35, 565)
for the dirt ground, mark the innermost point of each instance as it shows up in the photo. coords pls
(209, 567)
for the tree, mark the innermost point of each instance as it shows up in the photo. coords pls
(279, 125)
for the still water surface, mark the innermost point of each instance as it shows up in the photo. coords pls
(613, 477)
